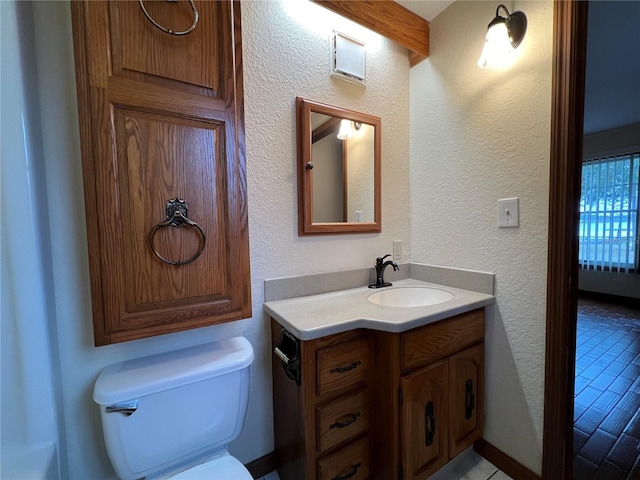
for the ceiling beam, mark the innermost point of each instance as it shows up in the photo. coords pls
(389, 19)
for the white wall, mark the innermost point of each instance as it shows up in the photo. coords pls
(286, 54)
(476, 136)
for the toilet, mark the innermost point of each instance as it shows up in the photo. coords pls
(172, 415)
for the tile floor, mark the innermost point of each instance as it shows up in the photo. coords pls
(607, 392)
(466, 466)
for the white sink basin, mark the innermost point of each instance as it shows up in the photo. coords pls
(410, 297)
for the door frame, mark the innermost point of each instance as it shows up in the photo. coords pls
(567, 118)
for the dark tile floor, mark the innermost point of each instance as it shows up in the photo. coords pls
(607, 392)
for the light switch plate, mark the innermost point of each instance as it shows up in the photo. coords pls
(508, 212)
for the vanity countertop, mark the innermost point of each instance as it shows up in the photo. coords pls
(316, 316)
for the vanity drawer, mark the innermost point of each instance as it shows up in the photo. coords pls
(343, 365)
(351, 461)
(342, 420)
(441, 339)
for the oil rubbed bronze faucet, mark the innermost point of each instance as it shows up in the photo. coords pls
(380, 266)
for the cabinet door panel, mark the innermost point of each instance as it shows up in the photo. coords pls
(424, 420)
(466, 387)
(161, 118)
(191, 59)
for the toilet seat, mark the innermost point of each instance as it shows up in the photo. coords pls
(224, 467)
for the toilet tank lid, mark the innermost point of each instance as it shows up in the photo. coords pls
(131, 379)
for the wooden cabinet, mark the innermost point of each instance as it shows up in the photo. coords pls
(423, 420)
(161, 118)
(438, 372)
(379, 405)
(466, 398)
(322, 424)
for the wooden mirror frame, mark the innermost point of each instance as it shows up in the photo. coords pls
(304, 108)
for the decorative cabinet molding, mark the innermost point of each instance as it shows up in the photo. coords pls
(161, 118)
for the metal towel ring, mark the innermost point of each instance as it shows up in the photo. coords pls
(177, 217)
(168, 30)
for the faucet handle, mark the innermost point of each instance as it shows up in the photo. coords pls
(379, 260)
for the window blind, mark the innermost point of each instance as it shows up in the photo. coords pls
(608, 232)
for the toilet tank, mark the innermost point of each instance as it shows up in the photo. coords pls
(164, 410)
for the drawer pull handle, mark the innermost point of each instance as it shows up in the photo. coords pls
(352, 418)
(351, 473)
(429, 425)
(345, 369)
(469, 399)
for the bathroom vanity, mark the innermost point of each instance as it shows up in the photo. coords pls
(382, 392)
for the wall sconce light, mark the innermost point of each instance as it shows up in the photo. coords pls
(348, 129)
(503, 37)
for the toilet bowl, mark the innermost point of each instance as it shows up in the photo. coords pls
(223, 467)
(172, 415)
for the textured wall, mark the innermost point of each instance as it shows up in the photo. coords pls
(476, 136)
(286, 53)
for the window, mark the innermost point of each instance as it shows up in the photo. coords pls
(609, 213)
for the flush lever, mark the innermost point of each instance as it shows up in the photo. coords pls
(126, 408)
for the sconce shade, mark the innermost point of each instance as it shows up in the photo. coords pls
(345, 129)
(348, 129)
(504, 35)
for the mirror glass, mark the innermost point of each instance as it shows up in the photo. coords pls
(338, 170)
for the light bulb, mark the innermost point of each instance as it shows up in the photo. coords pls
(497, 51)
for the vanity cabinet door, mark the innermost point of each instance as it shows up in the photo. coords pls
(424, 418)
(466, 387)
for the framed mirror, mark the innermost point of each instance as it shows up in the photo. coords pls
(339, 154)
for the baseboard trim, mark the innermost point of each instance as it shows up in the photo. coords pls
(504, 462)
(267, 463)
(262, 466)
(610, 298)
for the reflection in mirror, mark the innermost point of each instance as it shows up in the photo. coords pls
(338, 170)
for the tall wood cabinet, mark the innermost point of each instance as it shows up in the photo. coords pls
(162, 137)
(415, 403)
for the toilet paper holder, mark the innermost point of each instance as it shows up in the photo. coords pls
(288, 350)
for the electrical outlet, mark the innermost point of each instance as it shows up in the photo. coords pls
(397, 249)
(358, 216)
